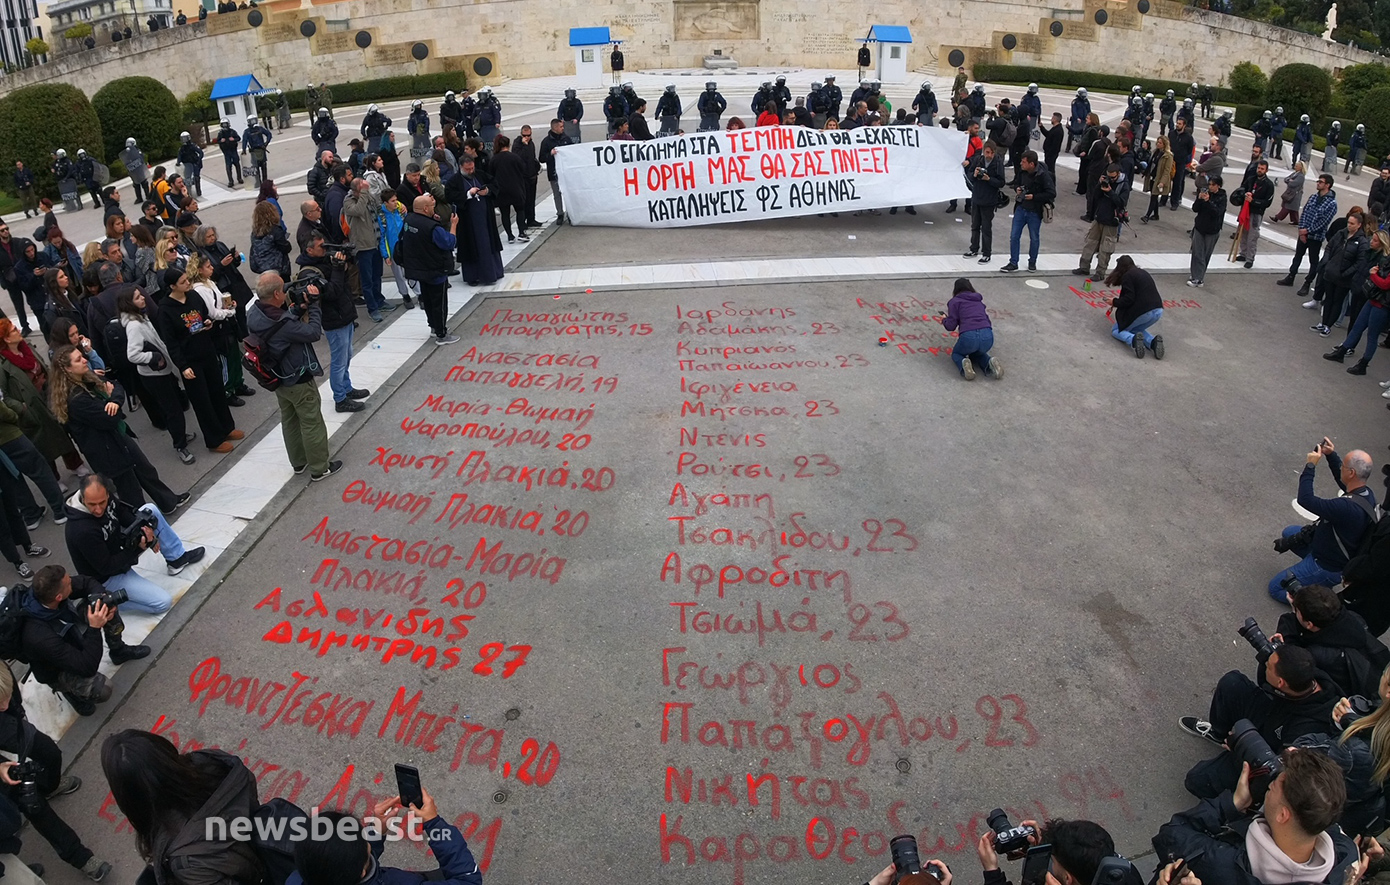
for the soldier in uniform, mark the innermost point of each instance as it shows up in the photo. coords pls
(326, 98)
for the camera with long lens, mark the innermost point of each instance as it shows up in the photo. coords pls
(1248, 746)
(133, 535)
(297, 294)
(1252, 634)
(109, 598)
(28, 797)
(1007, 837)
(1302, 537)
(908, 865)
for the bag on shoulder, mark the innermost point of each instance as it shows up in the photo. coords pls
(1009, 134)
(1003, 199)
(257, 359)
(272, 829)
(12, 622)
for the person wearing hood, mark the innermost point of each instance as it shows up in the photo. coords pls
(170, 800)
(62, 643)
(1137, 308)
(1294, 837)
(1341, 645)
(966, 315)
(350, 849)
(139, 170)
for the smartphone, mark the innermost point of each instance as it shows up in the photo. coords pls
(1036, 864)
(408, 785)
(1178, 872)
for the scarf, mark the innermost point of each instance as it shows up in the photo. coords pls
(24, 359)
(1273, 867)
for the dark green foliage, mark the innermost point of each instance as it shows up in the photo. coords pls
(1373, 112)
(37, 119)
(1024, 74)
(142, 108)
(1356, 81)
(1299, 89)
(422, 86)
(1248, 82)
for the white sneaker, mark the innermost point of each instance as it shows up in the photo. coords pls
(1191, 284)
(1309, 305)
(1386, 394)
(1385, 385)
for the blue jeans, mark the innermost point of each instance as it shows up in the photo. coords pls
(369, 267)
(339, 359)
(1307, 571)
(975, 345)
(145, 595)
(1140, 326)
(1031, 220)
(1372, 321)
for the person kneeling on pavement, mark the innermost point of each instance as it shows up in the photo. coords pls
(43, 768)
(60, 639)
(966, 312)
(1343, 522)
(1078, 848)
(1293, 698)
(1136, 308)
(1336, 636)
(1294, 838)
(106, 537)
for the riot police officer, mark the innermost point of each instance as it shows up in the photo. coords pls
(418, 126)
(630, 96)
(1031, 108)
(450, 112)
(859, 94)
(924, 105)
(976, 101)
(1276, 132)
(818, 103)
(87, 174)
(374, 125)
(782, 95)
(1166, 109)
(469, 105)
(668, 111)
(254, 141)
(1080, 110)
(325, 134)
(711, 106)
(833, 97)
(571, 111)
(615, 108)
(1261, 128)
(191, 159)
(1187, 112)
(1148, 117)
(763, 96)
(489, 117)
(228, 141)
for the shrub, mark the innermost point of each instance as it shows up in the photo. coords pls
(1373, 113)
(36, 46)
(79, 31)
(409, 86)
(1357, 80)
(1299, 89)
(1121, 83)
(1248, 82)
(142, 108)
(37, 119)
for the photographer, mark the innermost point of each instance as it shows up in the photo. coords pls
(60, 641)
(1341, 645)
(1078, 847)
(19, 737)
(1295, 838)
(339, 318)
(1325, 546)
(985, 173)
(1291, 700)
(106, 537)
(344, 860)
(288, 338)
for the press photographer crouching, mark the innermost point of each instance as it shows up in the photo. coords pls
(60, 637)
(1341, 645)
(1293, 839)
(1059, 852)
(1292, 698)
(1326, 545)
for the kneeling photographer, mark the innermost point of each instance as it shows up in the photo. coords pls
(60, 636)
(1341, 645)
(1292, 698)
(1325, 546)
(1293, 839)
(1074, 851)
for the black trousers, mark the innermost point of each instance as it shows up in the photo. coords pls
(982, 228)
(1236, 697)
(209, 400)
(17, 299)
(1312, 248)
(164, 390)
(1179, 185)
(14, 536)
(139, 477)
(434, 298)
(507, 205)
(46, 821)
(530, 201)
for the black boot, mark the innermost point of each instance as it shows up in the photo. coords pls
(120, 652)
(1358, 369)
(1335, 355)
(1286, 281)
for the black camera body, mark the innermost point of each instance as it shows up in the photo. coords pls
(1007, 837)
(133, 535)
(1117, 870)
(109, 598)
(907, 863)
(29, 797)
(1302, 537)
(1252, 634)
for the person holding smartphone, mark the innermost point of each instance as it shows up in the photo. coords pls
(351, 855)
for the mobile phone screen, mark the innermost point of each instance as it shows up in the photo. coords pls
(408, 783)
(1035, 865)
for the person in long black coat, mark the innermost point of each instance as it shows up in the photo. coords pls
(479, 244)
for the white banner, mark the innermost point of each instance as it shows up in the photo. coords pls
(767, 172)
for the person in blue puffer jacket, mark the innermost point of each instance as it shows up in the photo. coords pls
(390, 221)
(966, 314)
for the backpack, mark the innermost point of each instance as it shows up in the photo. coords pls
(276, 852)
(12, 618)
(115, 338)
(1009, 134)
(257, 359)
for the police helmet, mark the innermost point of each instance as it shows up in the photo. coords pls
(130, 142)
(1187, 103)
(1148, 96)
(227, 124)
(781, 80)
(670, 87)
(416, 105)
(449, 96)
(1081, 93)
(1194, 85)
(60, 153)
(830, 78)
(615, 90)
(185, 137)
(710, 85)
(323, 115)
(81, 153)
(1360, 127)
(875, 83)
(1135, 101)
(371, 109)
(569, 93)
(926, 86)
(626, 85)
(1136, 89)
(1336, 124)
(1269, 115)
(1279, 111)
(1032, 88)
(1170, 93)
(980, 87)
(863, 84)
(1304, 119)
(817, 85)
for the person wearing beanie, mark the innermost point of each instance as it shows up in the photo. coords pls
(965, 314)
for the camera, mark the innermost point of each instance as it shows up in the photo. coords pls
(133, 535)
(30, 797)
(1007, 837)
(908, 864)
(1248, 746)
(109, 598)
(1117, 870)
(297, 294)
(1250, 631)
(1302, 537)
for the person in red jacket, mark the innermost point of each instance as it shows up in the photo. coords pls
(1373, 316)
(769, 115)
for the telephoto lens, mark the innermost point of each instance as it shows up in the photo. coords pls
(1247, 745)
(908, 865)
(1250, 631)
(1007, 837)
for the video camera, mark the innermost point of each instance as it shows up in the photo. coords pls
(1007, 837)
(1252, 634)
(297, 294)
(1248, 746)
(133, 535)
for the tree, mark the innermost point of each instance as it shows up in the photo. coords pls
(197, 106)
(36, 47)
(79, 31)
(1372, 113)
(142, 108)
(1248, 82)
(1357, 80)
(1300, 89)
(36, 120)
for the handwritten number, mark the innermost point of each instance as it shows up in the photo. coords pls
(489, 654)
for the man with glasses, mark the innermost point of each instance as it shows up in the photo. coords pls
(525, 148)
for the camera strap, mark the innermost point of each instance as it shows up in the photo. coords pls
(1370, 509)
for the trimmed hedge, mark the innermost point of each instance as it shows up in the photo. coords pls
(35, 120)
(1024, 74)
(1246, 114)
(410, 86)
(142, 108)
(1299, 89)
(1373, 114)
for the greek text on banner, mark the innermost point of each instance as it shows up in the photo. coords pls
(767, 172)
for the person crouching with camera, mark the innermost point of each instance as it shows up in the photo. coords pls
(27, 785)
(1325, 546)
(64, 617)
(106, 537)
(1077, 849)
(1294, 838)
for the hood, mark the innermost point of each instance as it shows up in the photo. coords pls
(74, 509)
(234, 797)
(36, 610)
(1347, 631)
(969, 296)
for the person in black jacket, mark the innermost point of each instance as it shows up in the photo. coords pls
(525, 149)
(1104, 233)
(1294, 838)
(1379, 199)
(1137, 308)
(637, 122)
(185, 324)
(1336, 636)
(1034, 189)
(1078, 847)
(986, 176)
(1291, 699)
(1366, 577)
(1052, 143)
(103, 544)
(509, 187)
(1259, 196)
(339, 318)
(62, 643)
(553, 141)
(1349, 269)
(1209, 206)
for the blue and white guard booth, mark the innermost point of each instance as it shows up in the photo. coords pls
(893, 41)
(590, 51)
(235, 100)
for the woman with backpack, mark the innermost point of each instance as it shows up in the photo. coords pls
(270, 244)
(168, 798)
(150, 355)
